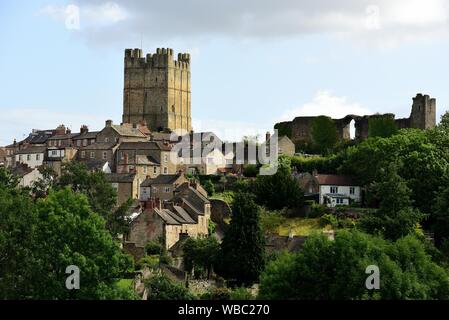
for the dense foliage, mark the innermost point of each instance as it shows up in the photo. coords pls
(242, 250)
(324, 134)
(39, 240)
(326, 269)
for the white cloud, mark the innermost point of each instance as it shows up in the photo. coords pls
(325, 103)
(86, 16)
(383, 23)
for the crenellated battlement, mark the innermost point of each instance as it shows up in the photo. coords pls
(164, 57)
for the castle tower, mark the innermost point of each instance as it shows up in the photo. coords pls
(157, 90)
(423, 114)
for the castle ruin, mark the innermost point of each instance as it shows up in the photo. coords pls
(157, 90)
(423, 116)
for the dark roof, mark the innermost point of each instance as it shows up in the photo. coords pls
(63, 136)
(167, 217)
(99, 146)
(128, 131)
(161, 179)
(335, 180)
(148, 145)
(30, 150)
(191, 197)
(21, 170)
(181, 212)
(95, 164)
(143, 159)
(121, 177)
(86, 135)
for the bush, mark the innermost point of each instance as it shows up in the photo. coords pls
(153, 248)
(329, 219)
(250, 170)
(160, 287)
(148, 261)
(217, 294)
(317, 210)
(209, 187)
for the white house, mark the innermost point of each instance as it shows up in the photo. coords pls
(337, 190)
(33, 157)
(27, 176)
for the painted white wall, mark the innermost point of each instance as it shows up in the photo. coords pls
(30, 178)
(33, 160)
(343, 190)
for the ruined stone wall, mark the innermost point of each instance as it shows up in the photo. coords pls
(423, 116)
(157, 90)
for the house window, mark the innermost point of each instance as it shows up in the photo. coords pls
(122, 156)
(83, 154)
(106, 140)
(165, 158)
(154, 170)
(38, 157)
(145, 169)
(165, 170)
(78, 143)
(339, 201)
(105, 155)
(53, 153)
(92, 154)
(334, 189)
(352, 190)
(20, 157)
(167, 189)
(28, 157)
(85, 142)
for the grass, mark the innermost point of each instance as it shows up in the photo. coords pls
(125, 283)
(274, 222)
(226, 196)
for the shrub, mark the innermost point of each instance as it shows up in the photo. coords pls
(153, 248)
(241, 294)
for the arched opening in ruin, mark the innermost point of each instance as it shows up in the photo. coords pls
(352, 129)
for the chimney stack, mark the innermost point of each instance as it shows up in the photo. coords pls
(108, 123)
(84, 129)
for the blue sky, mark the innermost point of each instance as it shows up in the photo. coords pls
(253, 62)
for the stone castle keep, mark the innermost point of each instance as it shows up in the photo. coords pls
(157, 90)
(423, 116)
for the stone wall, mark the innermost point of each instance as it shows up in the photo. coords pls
(157, 90)
(422, 116)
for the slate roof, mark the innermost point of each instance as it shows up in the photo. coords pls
(32, 150)
(143, 159)
(167, 217)
(183, 214)
(121, 177)
(128, 131)
(161, 179)
(86, 135)
(21, 170)
(148, 145)
(95, 164)
(63, 136)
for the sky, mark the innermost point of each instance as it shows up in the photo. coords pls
(254, 62)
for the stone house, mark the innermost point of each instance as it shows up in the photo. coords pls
(187, 215)
(3, 162)
(147, 159)
(98, 151)
(126, 185)
(84, 138)
(32, 156)
(121, 133)
(285, 145)
(161, 187)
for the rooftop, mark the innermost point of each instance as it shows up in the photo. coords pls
(335, 180)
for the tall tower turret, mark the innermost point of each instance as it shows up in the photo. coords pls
(423, 114)
(157, 90)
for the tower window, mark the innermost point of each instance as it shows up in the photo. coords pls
(173, 108)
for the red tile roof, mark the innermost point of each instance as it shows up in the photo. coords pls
(335, 180)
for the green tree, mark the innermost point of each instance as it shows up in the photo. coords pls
(100, 193)
(326, 269)
(280, 190)
(201, 253)
(324, 134)
(440, 221)
(50, 235)
(160, 287)
(242, 249)
(381, 126)
(209, 187)
(396, 216)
